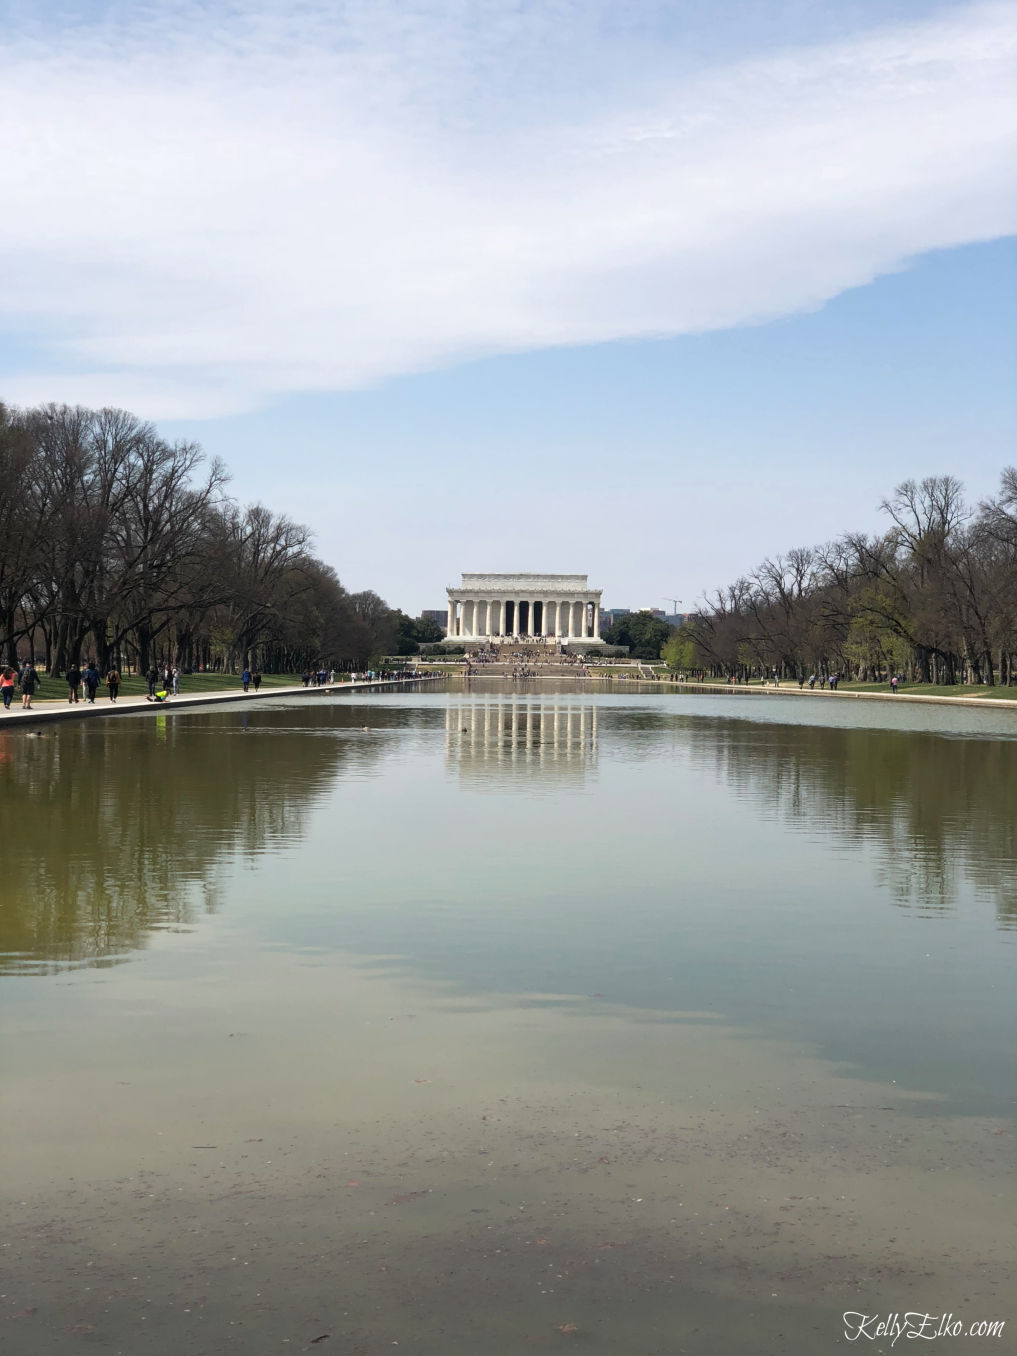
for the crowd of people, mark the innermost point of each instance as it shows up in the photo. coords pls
(27, 678)
(524, 662)
(83, 682)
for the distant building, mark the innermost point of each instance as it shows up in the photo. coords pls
(435, 614)
(549, 609)
(610, 615)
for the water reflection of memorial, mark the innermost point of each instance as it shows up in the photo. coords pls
(536, 737)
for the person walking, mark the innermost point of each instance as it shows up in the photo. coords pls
(151, 678)
(73, 677)
(113, 683)
(7, 680)
(175, 675)
(245, 678)
(91, 679)
(893, 684)
(256, 679)
(30, 682)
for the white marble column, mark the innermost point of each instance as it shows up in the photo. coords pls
(501, 617)
(596, 620)
(451, 619)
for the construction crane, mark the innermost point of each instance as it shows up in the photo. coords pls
(675, 602)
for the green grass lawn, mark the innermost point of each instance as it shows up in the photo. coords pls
(914, 689)
(199, 684)
(937, 690)
(191, 685)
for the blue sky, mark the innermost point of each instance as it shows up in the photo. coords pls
(646, 290)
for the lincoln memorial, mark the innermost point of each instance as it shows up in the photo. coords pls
(542, 609)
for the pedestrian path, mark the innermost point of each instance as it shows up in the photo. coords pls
(44, 712)
(793, 690)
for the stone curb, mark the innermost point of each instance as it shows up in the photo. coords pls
(83, 710)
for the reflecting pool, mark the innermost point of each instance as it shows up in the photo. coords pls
(507, 1015)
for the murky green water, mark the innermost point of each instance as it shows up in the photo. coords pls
(491, 1020)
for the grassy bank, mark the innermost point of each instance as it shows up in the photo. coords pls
(958, 690)
(936, 690)
(191, 685)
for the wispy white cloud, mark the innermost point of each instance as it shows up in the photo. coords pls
(206, 205)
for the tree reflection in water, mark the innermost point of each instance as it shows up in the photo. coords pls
(941, 810)
(115, 829)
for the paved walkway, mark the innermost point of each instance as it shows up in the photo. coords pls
(1004, 703)
(43, 712)
(788, 689)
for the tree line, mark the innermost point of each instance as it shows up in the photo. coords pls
(118, 545)
(933, 598)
